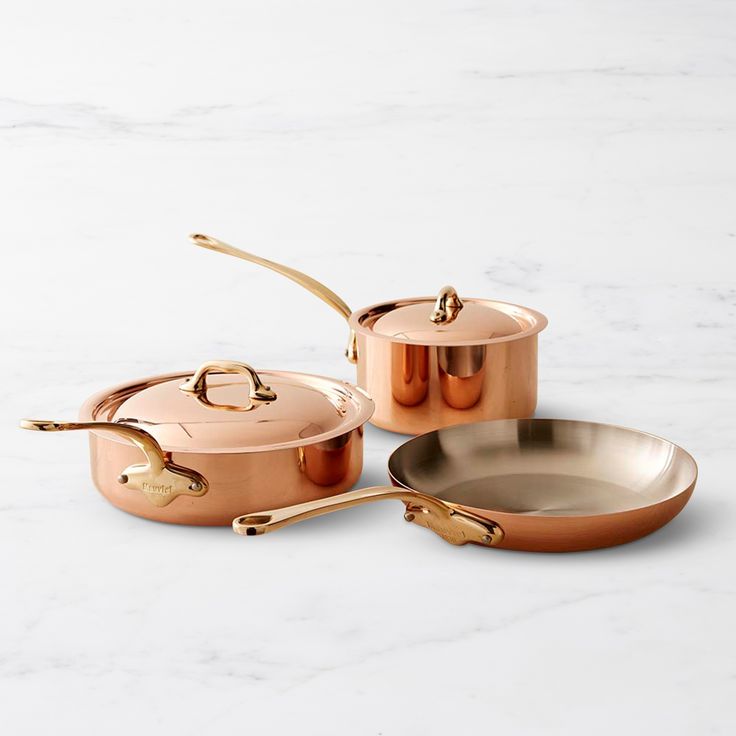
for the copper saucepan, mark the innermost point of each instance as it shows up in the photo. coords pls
(543, 485)
(220, 439)
(430, 362)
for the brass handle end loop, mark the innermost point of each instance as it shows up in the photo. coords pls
(41, 425)
(204, 241)
(250, 526)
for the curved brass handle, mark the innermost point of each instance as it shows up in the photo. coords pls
(159, 480)
(197, 385)
(447, 307)
(453, 524)
(318, 289)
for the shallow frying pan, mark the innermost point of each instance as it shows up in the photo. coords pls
(543, 485)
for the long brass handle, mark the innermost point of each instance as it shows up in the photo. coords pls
(318, 289)
(453, 524)
(159, 480)
(197, 384)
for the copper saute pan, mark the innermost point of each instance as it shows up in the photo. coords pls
(219, 440)
(543, 485)
(430, 362)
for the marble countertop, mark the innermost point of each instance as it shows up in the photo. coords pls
(574, 157)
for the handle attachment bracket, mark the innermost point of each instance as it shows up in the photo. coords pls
(158, 479)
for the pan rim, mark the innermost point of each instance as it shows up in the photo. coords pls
(458, 427)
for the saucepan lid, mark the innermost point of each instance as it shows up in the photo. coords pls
(226, 407)
(448, 320)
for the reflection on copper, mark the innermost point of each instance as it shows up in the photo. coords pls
(461, 370)
(505, 386)
(238, 482)
(246, 463)
(327, 463)
(409, 373)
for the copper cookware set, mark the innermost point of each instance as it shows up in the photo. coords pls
(220, 444)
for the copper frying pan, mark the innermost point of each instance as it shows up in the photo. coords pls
(543, 485)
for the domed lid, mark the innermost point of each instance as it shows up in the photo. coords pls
(449, 321)
(227, 407)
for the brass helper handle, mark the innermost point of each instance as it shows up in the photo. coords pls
(318, 289)
(453, 524)
(197, 384)
(160, 480)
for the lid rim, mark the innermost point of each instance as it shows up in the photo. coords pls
(357, 317)
(365, 406)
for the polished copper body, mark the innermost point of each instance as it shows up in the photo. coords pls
(215, 443)
(431, 362)
(253, 480)
(543, 485)
(419, 387)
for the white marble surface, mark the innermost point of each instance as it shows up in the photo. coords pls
(577, 157)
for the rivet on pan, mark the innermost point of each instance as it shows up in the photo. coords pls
(486, 538)
(408, 516)
(122, 479)
(195, 486)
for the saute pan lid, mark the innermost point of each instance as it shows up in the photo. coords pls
(448, 320)
(226, 407)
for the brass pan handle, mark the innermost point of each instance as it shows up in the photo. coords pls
(453, 524)
(318, 289)
(447, 307)
(159, 480)
(197, 385)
